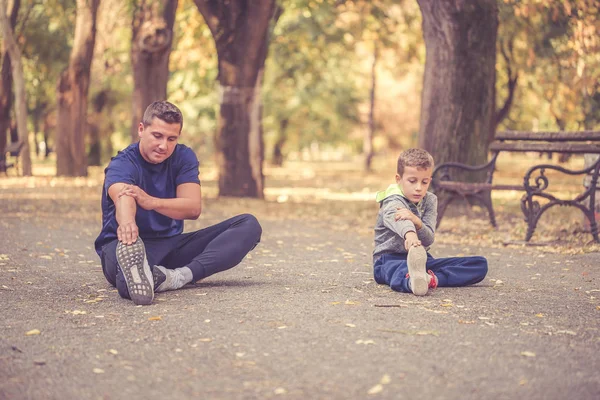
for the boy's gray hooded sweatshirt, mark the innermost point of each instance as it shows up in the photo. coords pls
(389, 233)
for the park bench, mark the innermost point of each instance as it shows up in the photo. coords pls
(13, 150)
(449, 179)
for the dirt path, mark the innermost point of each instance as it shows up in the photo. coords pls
(299, 319)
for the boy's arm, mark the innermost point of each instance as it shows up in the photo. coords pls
(400, 227)
(187, 204)
(125, 209)
(429, 219)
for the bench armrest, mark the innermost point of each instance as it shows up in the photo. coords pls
(541, 180)
(442, 171)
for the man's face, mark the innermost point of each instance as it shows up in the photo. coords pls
(414, 182)
(158, 140)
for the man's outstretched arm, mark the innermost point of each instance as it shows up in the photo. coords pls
(187, 204)
(125, 209)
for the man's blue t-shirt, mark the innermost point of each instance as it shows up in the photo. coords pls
(158, 180)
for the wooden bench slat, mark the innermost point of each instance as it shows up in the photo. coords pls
(580, 136)
(579, 148)
(454, 185)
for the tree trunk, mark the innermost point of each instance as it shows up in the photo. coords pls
(6, 84)
(19, 87)
(513, 77)
(281, 138)
(458, 100)
(150, 51)
(241, 33)
(46, 129)
(370, 134)
(71, 157)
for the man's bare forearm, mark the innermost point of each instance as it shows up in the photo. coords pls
(177, 208)
(126, 208)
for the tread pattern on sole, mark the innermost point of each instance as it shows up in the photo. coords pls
(417, 270)
(138, 277)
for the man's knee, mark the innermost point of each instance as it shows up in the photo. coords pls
(252, 225)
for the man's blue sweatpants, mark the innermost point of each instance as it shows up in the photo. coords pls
(205, 252)
(391, 269)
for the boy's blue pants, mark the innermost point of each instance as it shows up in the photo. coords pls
(391, 269)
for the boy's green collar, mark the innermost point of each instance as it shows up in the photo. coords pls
(391, 190)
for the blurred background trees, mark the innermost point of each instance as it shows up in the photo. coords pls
(269, 81)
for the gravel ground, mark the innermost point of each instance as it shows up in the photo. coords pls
(300, 318)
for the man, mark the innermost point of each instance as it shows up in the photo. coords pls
(149, 189)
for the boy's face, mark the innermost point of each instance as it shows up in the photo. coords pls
(414, 182)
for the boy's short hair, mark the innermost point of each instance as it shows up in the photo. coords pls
(164, 111)
(417, 158)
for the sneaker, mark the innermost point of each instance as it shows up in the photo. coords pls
(136, 271)
(159, 276)
(419, 279)
(167, 279)
(433, 282)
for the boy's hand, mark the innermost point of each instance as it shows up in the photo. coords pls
(411, 240)
(405, 214)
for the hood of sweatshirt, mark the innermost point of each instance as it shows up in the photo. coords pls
(393, 189)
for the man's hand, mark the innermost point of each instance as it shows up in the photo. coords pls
(411, 240)
(128, 233)
(142, 198)
(403, 214)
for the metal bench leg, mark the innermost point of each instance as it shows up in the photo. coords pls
(486, 198)
(442, 207)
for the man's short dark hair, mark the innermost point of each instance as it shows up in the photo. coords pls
(164, 111)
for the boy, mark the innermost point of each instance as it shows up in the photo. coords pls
(405, 229)
(149, 189)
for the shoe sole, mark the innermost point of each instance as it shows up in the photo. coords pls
(417, 260)
(138, 277)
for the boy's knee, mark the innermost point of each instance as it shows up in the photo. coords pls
(483, 267)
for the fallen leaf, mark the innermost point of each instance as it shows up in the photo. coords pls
(157, 318)
(385, 379)
(540, 315)
(424, 333)
(368, 341)
(32, 332)
(567, 333)
(376, 389)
